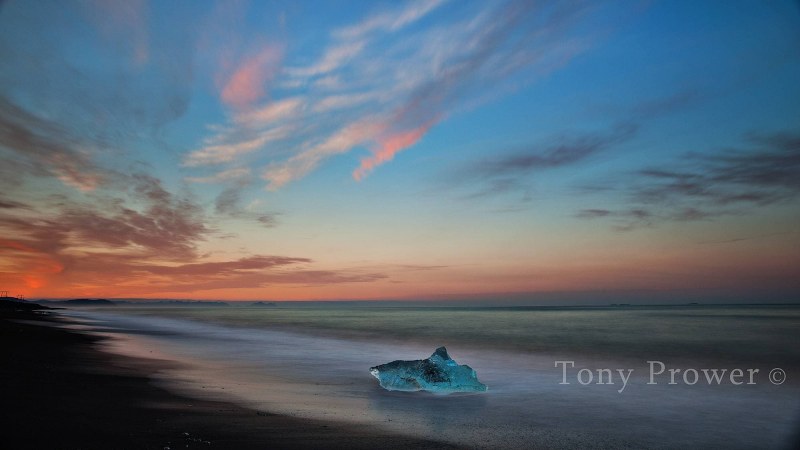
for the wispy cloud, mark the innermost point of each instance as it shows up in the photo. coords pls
(761, 171)
(248, 81)
(141, 242)
(372, 88)
(511, 169)
(224, 268)
(656, 106)
(169, 226)
(564, 150)
(342, 141)
(343, 101)
(228, 146)
(46, 148)
(234, 174)
(271, 113)
(747, 238)
(74, 242)
(336, 56)
(228, 203)
(387, 146)
(625, 220)
(390, 21)
(11, 204)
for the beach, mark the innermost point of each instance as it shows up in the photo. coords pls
(557, 377)
(60, 391)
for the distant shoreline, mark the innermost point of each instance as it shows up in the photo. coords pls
(466, 304)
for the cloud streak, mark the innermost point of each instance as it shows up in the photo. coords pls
(761, 171)
(141, 244)
(247, 83)
(42, 147)
(372, 89)
(563, 151)
(388, 146)
(121, 234)
(229, 147)
(390, 21)
(511, 169)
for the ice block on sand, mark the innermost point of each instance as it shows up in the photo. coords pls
(439, 373)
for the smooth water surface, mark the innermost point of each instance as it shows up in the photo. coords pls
(313, 362)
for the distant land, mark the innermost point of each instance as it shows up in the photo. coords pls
(78, 302)
(90, 302)
(15, 304)
(173, 303)
(105, 302)
(433, 303)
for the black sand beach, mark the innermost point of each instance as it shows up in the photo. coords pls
(59, 391)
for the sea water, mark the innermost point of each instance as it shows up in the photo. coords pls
(556, 376)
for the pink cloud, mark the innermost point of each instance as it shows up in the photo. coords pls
(387, 96)
(388, 146)
(248, 82)
(354, 134)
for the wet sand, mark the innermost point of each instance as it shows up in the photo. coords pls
(59, 390)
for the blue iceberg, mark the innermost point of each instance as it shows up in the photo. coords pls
(439, 373)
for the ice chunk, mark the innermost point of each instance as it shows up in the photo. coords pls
(439, 373)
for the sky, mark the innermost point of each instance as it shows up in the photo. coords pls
(314, 150)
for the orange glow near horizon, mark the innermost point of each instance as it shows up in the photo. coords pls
(648, 274)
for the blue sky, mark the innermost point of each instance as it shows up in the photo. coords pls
(316, 150)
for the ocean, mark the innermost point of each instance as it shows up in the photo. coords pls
(623, 376)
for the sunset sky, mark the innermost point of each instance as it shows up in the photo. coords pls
(400, 150)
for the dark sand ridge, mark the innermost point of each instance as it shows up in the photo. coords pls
(59, 391)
